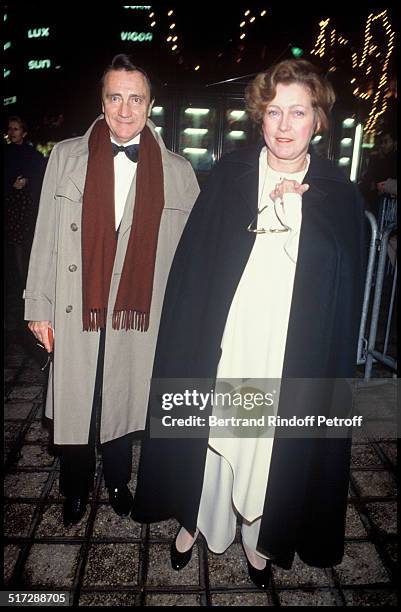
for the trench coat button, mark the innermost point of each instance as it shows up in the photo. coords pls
(68, 308)
(74, 227)
(72, 268)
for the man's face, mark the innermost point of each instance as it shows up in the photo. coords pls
(126, 104)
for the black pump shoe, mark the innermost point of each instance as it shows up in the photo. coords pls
(260, 577)
(180, 559)
(121, 500)
(74, 508)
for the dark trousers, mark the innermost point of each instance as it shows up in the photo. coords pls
(78, 461)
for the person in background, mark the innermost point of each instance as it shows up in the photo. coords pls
(113, 207)
(388, 186)
(266, 284)
(24, 168)
(381, 173)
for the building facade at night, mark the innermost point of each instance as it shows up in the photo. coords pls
(200, 60)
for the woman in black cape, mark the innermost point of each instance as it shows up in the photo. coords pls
(266, 285)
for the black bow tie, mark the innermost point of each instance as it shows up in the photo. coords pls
(132, 151)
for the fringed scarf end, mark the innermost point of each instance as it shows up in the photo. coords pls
(95, 319)
(131, 319)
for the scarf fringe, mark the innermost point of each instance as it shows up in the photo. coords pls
(95, 320)
(131, 319)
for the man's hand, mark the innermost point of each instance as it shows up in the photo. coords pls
(41, 333)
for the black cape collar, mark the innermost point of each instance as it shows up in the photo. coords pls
(319, 167)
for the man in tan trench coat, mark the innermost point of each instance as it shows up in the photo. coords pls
(110, 218)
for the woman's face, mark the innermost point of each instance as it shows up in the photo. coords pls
(15, 132)
(289, 123)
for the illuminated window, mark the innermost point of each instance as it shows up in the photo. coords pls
(237, 114)
(196, 131)
(197, 111)
(236, 134)
(349, 122)
(195, 151)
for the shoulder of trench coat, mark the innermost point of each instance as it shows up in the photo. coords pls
(39, 293)
(180, 168)
(172, 162)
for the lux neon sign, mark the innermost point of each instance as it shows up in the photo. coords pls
(38, 33)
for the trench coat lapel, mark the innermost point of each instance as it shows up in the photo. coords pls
(79, 174)
(79, 153)
(72, 185)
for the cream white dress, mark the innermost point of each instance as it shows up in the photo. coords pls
(253, 345)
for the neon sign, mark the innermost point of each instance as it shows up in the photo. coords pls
(10, 100)
(137, 36)
(38, 64)
(38, 33)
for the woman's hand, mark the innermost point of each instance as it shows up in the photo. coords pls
(288, 186)
(20, 182)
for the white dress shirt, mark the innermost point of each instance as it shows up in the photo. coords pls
(124, 172)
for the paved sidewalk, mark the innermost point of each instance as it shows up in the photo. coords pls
(107, 560)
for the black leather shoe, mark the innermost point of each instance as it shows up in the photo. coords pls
(260, 577)
(180, 559)
(121, 500)
(74, 508)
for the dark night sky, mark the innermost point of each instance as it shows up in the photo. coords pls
(84, 44)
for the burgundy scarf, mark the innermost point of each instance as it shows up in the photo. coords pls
(99, 244)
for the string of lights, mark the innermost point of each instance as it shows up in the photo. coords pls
(248, 19)
(369, 62)
(372, 62)
(172, 36)
(380, 104)
(320, 44)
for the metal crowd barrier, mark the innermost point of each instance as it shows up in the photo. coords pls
(387, 212)
(363, 342)
(381, 268)
(372, 351)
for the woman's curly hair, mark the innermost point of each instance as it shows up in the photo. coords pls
(262, 90)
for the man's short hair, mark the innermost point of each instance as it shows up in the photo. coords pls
(124, 62)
